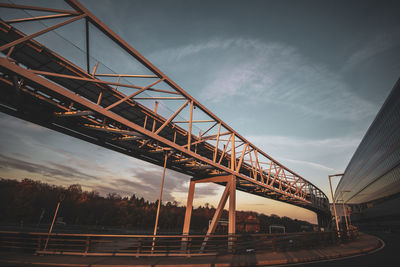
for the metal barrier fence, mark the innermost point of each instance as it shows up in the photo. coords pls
(165, 245)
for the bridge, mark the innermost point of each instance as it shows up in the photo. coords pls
(142, 114)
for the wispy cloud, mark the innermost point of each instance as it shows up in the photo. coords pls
(308, 156)
(269, 73)
(147, 181)
(378, 44)
(294, 142)
(54, 170)
(308, 163)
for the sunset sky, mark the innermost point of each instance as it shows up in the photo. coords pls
(302, 80)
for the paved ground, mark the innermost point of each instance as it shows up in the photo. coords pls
(388, 256)
(365, 243)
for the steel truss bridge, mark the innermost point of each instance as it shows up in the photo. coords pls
(126, 112)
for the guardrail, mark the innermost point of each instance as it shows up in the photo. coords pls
(165, 245)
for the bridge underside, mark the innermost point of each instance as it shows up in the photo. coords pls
(42, 87)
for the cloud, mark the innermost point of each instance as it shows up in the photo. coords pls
(268, 73)
(311, 158)
(308, 163)
(379, 44)
(293, 142)
(146, 182)
(53, 170)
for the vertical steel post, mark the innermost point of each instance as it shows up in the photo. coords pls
(333, 202)
(334, 206)
(155, 111)
(233, 153)
(232, 213)
(188, 216)
(159, 201)
(344, 211)
(87, 45)
(232, 206)
(190, 125)
(189, 206)
(52, 224)
(216, 145)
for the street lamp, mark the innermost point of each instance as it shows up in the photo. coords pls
(333, 200)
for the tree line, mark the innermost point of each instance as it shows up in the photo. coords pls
(31, 202)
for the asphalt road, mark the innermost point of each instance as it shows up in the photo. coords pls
(388, 256)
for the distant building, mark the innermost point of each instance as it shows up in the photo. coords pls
(251, 224)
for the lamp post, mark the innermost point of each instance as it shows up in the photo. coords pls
(344, 211)
(333, 201)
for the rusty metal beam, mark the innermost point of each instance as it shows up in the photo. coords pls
(46, 9)
(36, 34)
(132, 95)
(39, 18)
(74, 113)
(172, 117)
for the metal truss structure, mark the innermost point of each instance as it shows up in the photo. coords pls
(41, 86)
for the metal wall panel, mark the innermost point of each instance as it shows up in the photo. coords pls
(374, 170)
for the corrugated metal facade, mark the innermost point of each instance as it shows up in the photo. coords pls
(374, 170)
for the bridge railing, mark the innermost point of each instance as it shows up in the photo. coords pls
(165, 245)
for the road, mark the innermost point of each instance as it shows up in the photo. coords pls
(388, 256)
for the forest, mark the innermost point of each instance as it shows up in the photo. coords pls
(33, 203)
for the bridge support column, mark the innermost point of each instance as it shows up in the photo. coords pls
(232, 213)
(189, 207)
(229, 192)
(232, 206)
(188, 216)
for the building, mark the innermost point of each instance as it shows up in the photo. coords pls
(370, 185)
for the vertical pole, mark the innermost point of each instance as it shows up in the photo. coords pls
(159, 200)
(233, 153)
(344, 211)
(190, 125)
(52, 224)
(232, 206)
(334, 206)
(87, 46)
(155, 111)
(216, 145)
(188, 216)
(232, 213)
(189, 206)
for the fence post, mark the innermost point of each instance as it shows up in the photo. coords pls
(139, 246)
(274, 243)
(39, 243)
(188, 247)
(87, 244)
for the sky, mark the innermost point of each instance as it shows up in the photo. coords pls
(302, 80)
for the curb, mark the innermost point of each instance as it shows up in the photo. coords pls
(350, 254)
